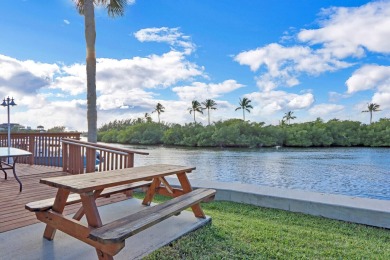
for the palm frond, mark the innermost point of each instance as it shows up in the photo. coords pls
(116, 7)
(79, 6)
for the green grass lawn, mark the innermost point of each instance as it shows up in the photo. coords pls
(240, 231)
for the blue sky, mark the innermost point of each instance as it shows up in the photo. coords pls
(323, 59)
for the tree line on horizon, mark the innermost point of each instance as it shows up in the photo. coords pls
(240, 133)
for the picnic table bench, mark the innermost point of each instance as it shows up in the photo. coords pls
(109, 238)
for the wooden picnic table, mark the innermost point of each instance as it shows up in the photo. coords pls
(7, 153)
(109, 239)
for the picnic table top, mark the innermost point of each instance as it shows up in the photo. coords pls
(82, 183)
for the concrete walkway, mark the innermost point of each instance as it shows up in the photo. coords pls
(371, 212)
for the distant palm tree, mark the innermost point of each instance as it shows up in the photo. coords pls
(209, 104)
(87, 9)
(196, 107)
(371, 107)
(159, 109)
(289, 116)
(148, 118)
(245, 106)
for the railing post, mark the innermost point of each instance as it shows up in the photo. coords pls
(65, 157)
(130, 160)
(76, 159)
(90, 160)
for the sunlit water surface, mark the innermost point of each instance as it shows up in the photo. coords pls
(363, 172)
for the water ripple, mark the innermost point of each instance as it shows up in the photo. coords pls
(362, 172)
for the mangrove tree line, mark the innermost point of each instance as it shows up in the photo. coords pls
(239, 133)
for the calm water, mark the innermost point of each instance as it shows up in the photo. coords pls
(363, 172)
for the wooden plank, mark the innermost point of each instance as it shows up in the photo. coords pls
(151, 191)
(185, 184)
(91, 210)
(99, 180)
(46, 204)
(12, 203)
(167, 186)
(58, 207)
(25, 218)
(164, 192)
(93, 218)
(75, 229)
(119, 230)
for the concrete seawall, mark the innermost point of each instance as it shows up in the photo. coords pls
(371, 212)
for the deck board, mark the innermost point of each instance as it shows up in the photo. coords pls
(12, 212)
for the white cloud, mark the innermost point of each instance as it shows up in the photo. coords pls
(64, 113)
(284, 64)
(66, 21)
(323, 110)
(382, 99)
(172, 36)
(349, 31)
(130, 98)
(370, 77)
(335, 97)
(273, 101)
(145, 72)
(24, 77)
(154, 71)
(202, 91)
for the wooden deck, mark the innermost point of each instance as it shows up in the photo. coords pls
(12, 212)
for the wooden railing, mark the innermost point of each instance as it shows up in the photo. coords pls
(45, 147)
(67, 151)
(82, 157)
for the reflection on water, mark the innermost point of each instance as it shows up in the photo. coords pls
(362, 172)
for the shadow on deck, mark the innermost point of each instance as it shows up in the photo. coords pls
(12, 212)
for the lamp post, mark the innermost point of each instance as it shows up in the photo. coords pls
(6, 103)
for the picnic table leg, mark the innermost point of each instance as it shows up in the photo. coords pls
(58, 206)
(186, 186)
(151, 191)
(93, 217)
(80, 213)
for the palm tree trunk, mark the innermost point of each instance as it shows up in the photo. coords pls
(194, 117)
(370, 117)
(90, 37)
(208, 112)
(243, 113)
